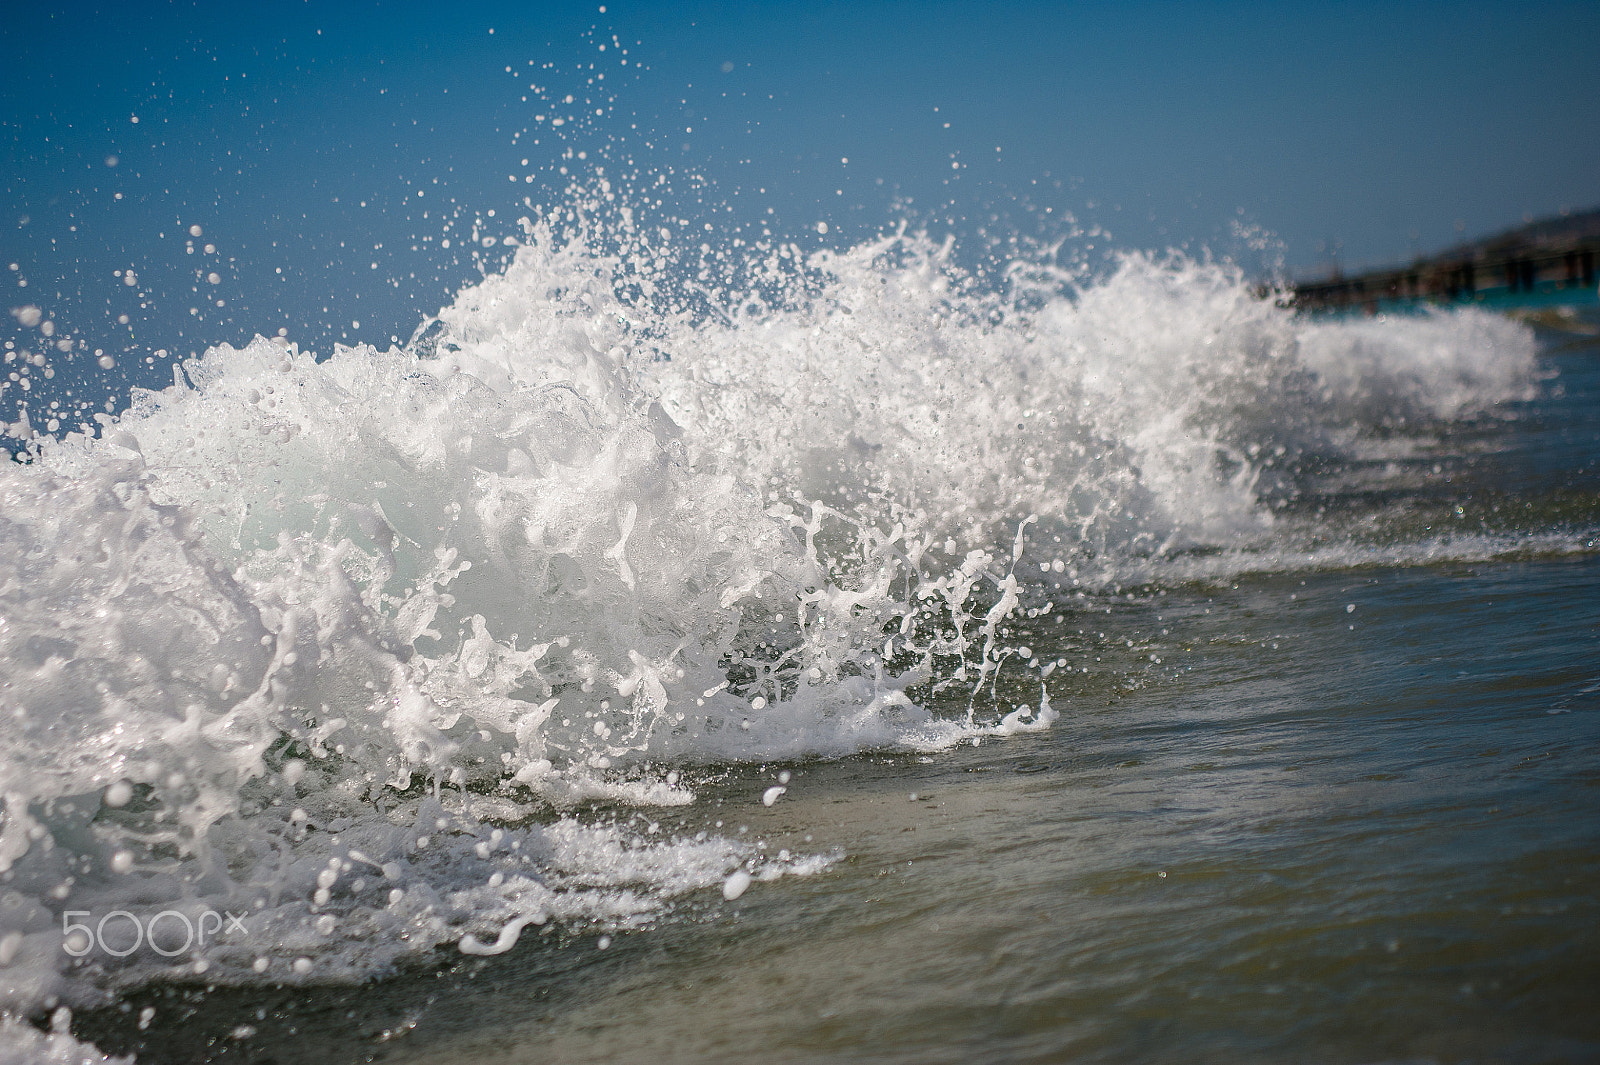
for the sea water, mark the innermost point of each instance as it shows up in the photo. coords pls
(838, 656)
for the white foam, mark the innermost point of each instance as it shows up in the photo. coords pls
(23, 1044)
(325, 643)
(1438, 364)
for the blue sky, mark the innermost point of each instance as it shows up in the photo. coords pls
(1376, 129)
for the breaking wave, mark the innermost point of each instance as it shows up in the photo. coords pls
(341, 643)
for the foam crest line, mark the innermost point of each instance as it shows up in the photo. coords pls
(334, 642)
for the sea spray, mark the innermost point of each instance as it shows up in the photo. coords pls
(332, 648)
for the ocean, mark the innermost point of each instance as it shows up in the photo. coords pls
(692, 652)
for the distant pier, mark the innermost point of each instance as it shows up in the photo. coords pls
(1444, 281)
(1547, 259)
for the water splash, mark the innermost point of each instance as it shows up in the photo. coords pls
(339, 644)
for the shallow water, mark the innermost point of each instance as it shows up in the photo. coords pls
(1308, 834)
(472, 672)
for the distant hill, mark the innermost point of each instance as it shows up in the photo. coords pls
(1545, 235)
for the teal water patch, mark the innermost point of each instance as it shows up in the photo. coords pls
(1545, 295)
